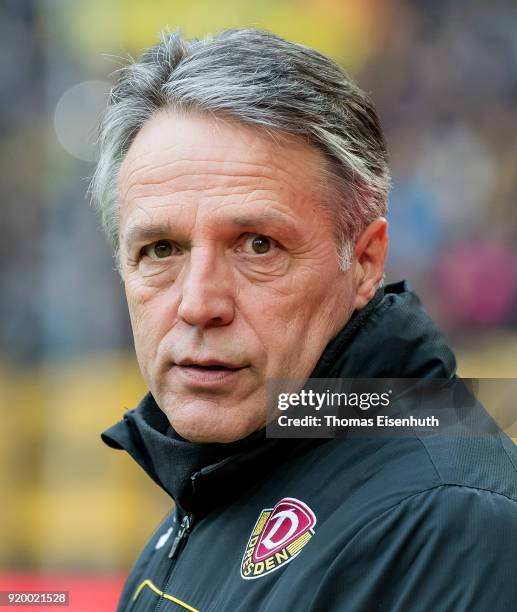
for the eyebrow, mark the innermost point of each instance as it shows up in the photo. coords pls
(139, 233)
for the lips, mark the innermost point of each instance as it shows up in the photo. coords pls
(209, 364)
(208, 373)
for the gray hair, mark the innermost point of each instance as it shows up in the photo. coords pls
(259, 79)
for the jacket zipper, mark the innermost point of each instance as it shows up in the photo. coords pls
(178, 544)
(181, 537)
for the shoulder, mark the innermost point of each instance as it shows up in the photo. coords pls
(486, 461)
(449, 547)
(372, 476)
(450, 512)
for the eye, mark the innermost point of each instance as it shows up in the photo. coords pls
(159, 250)
(259, 244)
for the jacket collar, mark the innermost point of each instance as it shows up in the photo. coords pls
(391, 337)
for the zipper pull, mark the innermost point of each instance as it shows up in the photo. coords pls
(181, 536)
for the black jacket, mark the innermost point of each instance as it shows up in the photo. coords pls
(408, 523)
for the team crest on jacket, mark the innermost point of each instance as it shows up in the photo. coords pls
(278, 537)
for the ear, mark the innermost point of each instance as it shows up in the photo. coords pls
(369, 255)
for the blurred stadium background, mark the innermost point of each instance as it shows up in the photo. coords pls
(444, 78)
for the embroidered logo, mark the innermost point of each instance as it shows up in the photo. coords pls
(278, 537)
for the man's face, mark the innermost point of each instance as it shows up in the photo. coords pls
(230, 269)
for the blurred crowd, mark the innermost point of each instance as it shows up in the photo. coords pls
(444, 78)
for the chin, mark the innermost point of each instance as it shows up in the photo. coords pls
(207, 422)
(204, 433)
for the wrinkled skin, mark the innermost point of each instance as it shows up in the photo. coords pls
(230, 268)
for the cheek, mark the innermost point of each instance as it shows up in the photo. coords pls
(306, 302)
(279, 321)
(150, 313)
(309, 317)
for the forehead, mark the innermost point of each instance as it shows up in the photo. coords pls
(188, 155)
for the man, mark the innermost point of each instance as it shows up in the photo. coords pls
(243, 183)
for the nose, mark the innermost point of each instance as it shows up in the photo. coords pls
(207, 297)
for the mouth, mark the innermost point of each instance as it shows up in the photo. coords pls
(207, 373)
(208, 364)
